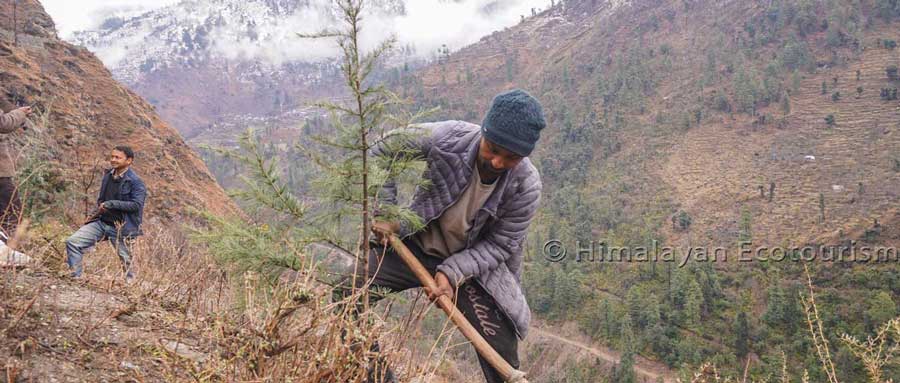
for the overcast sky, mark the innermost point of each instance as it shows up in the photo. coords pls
(427, 25)
(75, 15)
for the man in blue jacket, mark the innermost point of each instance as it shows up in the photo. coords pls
(120, 207)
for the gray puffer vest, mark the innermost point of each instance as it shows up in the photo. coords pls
(493, 252)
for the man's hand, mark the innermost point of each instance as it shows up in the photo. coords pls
(383, 230)
(443, 287)
(26, 110)
(93, 216)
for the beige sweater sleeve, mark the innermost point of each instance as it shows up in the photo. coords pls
(11, 121)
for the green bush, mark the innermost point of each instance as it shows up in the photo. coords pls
(682, 220)
(891, 72)
(42, 187)
(722, 104)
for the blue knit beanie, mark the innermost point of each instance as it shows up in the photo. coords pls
(514, 122)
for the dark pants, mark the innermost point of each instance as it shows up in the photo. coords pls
(471, 299)
(10, 205)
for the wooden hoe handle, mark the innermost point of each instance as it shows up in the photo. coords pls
(484, 349)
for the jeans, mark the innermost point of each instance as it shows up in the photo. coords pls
(472, 300)
(88, 236)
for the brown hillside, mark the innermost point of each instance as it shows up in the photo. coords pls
(89, 112)
(713, 170)
(717, 167)
(660, 110)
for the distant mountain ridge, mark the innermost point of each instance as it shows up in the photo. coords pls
(205, 63)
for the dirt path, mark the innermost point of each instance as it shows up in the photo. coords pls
(647, 369)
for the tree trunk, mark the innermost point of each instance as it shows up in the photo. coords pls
(15, 23)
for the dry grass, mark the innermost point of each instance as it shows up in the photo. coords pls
(186, 318)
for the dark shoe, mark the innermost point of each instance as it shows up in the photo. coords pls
(380, 372)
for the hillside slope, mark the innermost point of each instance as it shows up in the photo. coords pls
(88, 113)
(676, 121)
(713, 168)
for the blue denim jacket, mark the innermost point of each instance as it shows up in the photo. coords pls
(130, 201)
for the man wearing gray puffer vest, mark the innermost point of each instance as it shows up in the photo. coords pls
(483, 194)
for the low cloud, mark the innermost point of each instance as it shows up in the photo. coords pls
(254, 34)
(277, 42)
(426, 26)
(72, 16)
(431, 23)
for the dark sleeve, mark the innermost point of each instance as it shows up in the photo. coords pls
(103, 181)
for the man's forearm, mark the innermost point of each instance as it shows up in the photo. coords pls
(11, 121)
(485, 256)
(125, 206)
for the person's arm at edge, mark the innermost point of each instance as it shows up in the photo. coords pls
(11, 121)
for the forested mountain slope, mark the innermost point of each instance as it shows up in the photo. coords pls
(703, 123)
